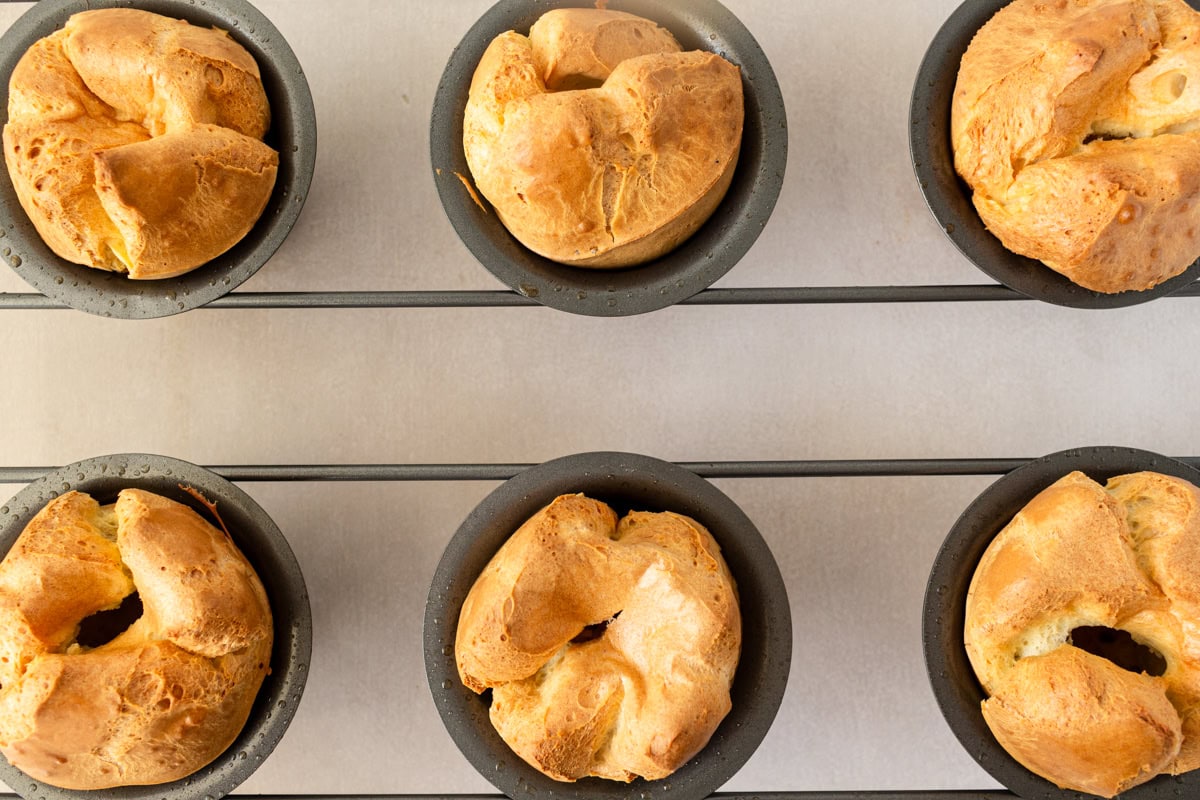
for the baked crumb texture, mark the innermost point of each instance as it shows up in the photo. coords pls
(609, 646)
(134, 142)
(1076, 124)
(1083, 627)
(599, 143)
(167, 695)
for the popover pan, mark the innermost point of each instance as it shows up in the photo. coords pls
(949, 197)
(700, 260)
(293, 134)
(626, 482)
(955, 687)
(268, 552)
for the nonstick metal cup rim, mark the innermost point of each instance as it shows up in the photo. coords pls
(700, 260)
(627, 482)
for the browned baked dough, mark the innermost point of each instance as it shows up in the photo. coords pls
(608, 176)
(134, 142)
(162, 699)
(645, 696)
(1127, 557)
(1075, 122)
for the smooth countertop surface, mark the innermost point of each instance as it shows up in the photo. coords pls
(688, 383)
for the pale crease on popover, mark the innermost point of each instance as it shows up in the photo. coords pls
(648, 693)
(162, 699)
(596, 141)
(1125, 557)
(134, 142)
(1075, 123)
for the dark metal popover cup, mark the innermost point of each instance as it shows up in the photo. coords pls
(293, 133)
(696, 263)
(268, 552)
(626, 482)
(955, 687)
(949, 197)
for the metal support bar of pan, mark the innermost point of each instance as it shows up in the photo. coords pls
(979, 794)
(800, 295)
(871, 468)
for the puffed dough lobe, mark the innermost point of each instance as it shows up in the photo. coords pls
(1124, 556)
(134, 142)
(1076, 124)
(606, 175)
(648, 693)
(162, 699)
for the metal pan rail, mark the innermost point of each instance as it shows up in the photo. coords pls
(875, 795)
(837, 468)
(798, 295)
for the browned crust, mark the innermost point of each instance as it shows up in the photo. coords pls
(607, 176)
(90, 96)
(1079, 554)
(644, 697)
(162, 699)
(1042, 78)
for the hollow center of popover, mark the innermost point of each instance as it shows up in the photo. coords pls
(592, 632)
(104, 626)
(1120, 648)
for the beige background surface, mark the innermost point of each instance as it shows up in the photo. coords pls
(685, 384)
